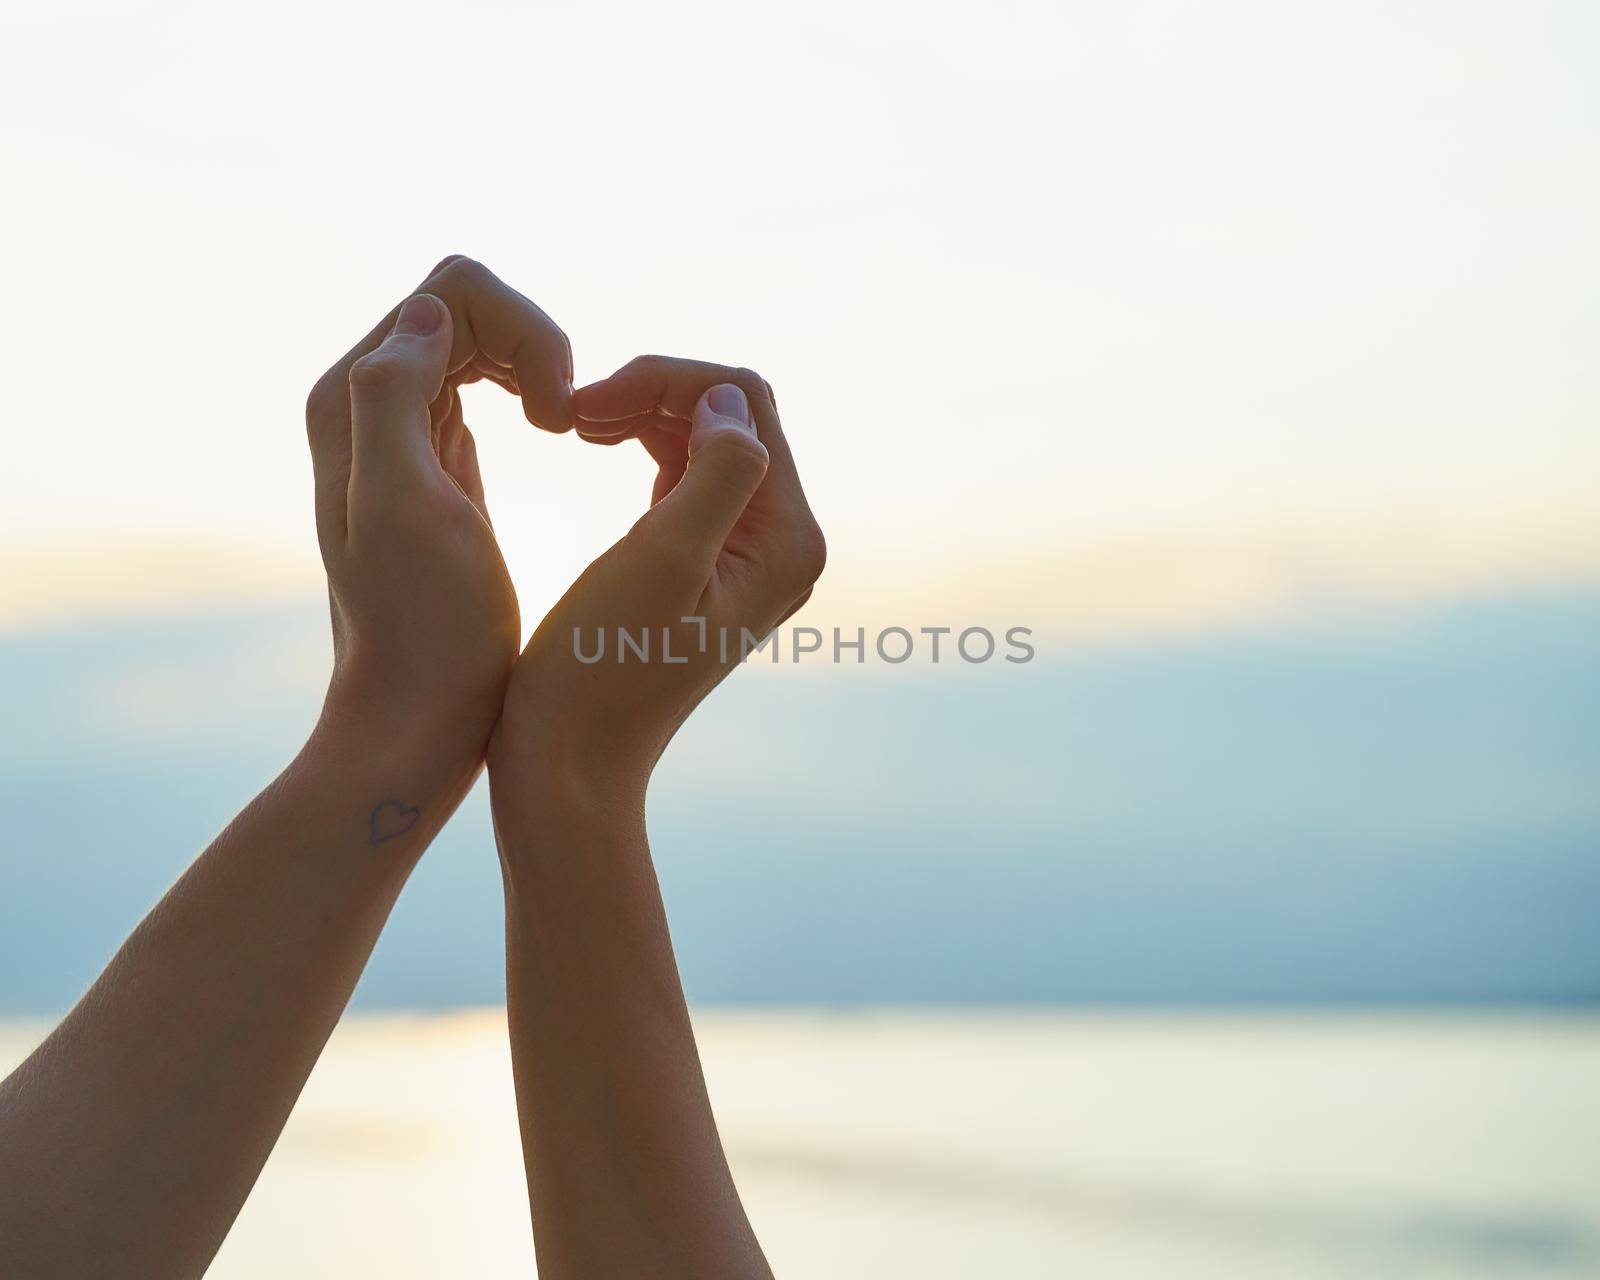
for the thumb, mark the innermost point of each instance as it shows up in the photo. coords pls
(392, 386)
(727, 463)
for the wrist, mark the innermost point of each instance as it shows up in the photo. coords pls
(550, 778)
(409, 727)
(404, 772)
(549, 801)
(568, 751)
(354, 787)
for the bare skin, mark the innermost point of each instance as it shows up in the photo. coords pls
(131, 1137)
(626, 1174)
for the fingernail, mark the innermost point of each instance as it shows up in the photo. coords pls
(419, 314)
(727, 401)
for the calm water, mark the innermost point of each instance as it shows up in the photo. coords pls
(930, 1145)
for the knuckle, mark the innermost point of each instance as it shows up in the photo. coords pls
(376, 372)
(448, 260)
(810, 552)
(738, 452)
(751, 383)
(461, 269)
(325, 401)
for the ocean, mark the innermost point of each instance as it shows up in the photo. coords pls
(1113, 1144)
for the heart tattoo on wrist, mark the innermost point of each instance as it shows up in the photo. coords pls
(392, 819)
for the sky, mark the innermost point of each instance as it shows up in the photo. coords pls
(1244, 352)
(1396, 812)
(1121, 317)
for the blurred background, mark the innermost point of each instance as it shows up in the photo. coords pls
(1243, 351)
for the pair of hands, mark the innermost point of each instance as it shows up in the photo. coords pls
(131, 1136)
(425, 618)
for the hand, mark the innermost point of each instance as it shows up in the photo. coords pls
(729, 539)
(425, 618)
(626, 1173)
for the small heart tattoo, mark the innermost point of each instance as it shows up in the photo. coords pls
(391, 819)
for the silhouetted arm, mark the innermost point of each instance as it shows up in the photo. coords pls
(131, 1137)
(626, 1173)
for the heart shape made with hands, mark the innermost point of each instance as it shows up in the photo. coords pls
(497, 334)
(392, 819)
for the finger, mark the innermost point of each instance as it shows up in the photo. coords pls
(502, 325)
(457, 450)
(487, 370)
(670, 450)
(448, 426)
(391, 389)
(478, 369)
(726, 464)
(608, 433)
(482, 369)
(492, 321)
(796, 606)
(460, 460)
(784, 534)
(664, 383)
(672, 387)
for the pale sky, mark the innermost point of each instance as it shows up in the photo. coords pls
(1145, 311)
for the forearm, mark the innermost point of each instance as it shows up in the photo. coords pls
(625, 1167)
(130, 1138)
